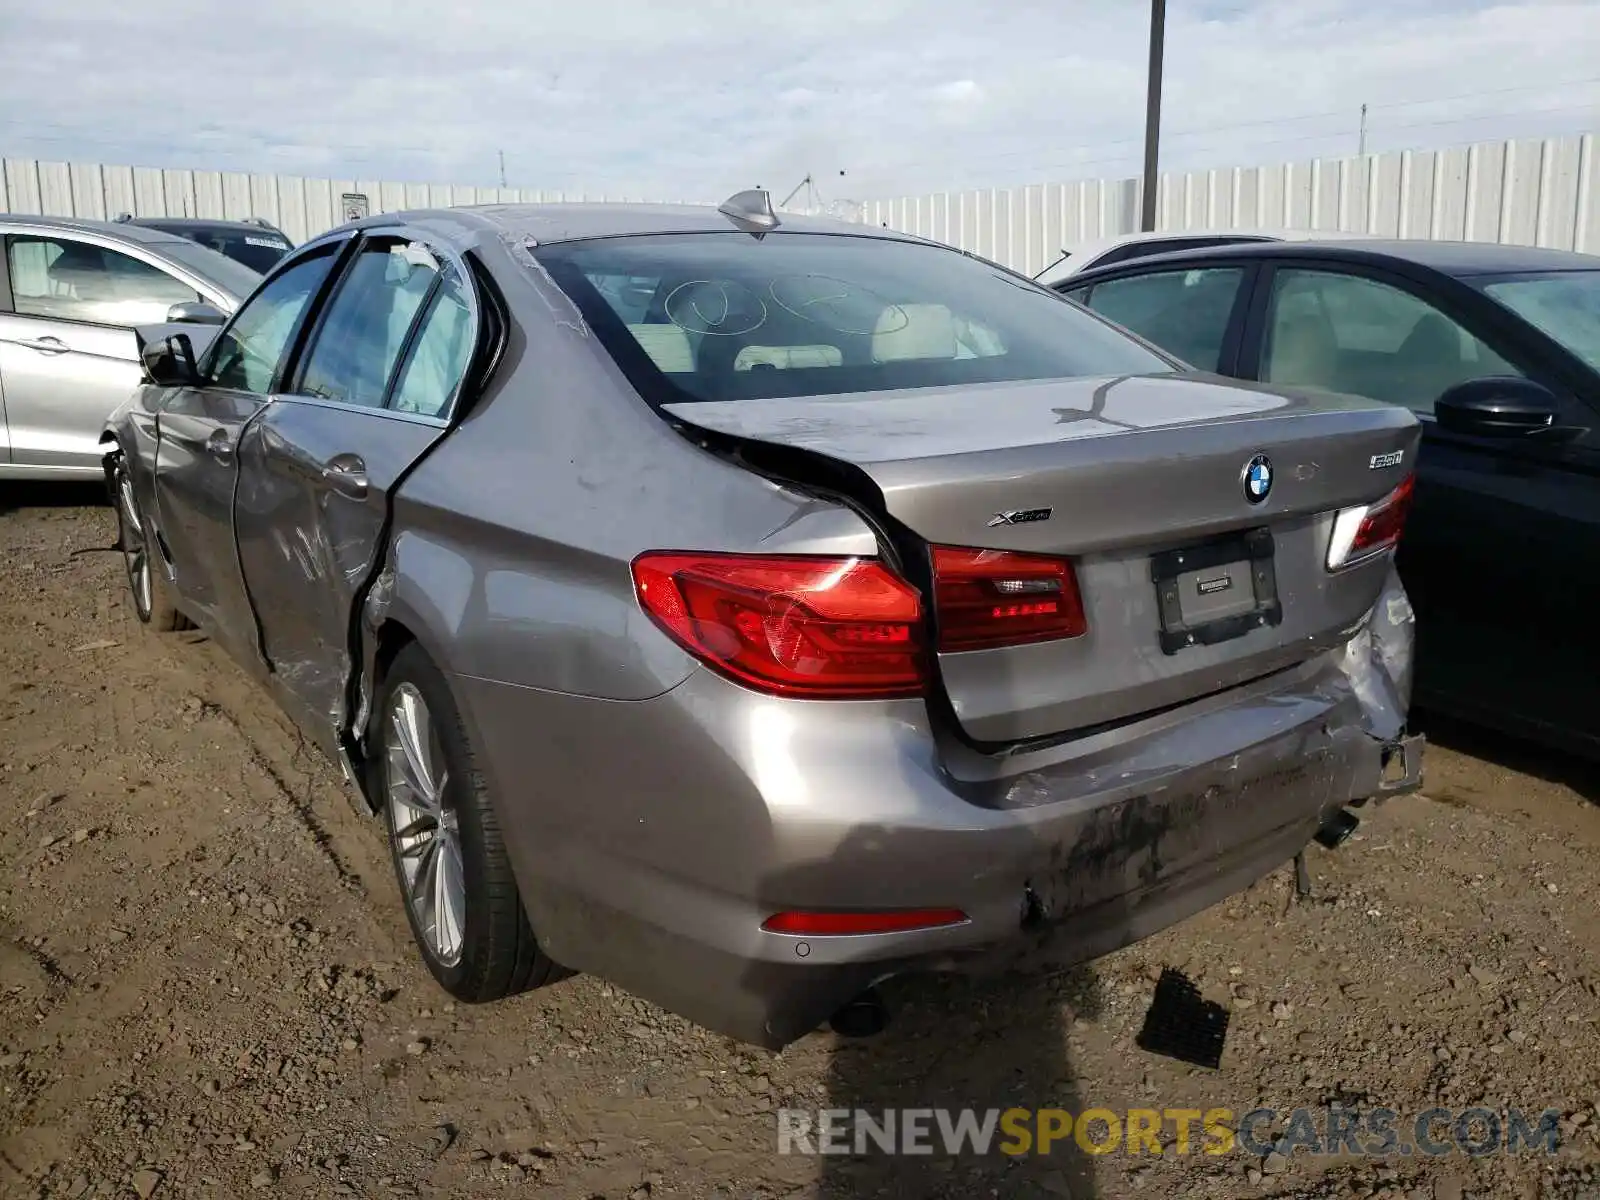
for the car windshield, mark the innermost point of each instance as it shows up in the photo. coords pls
(1564, 304)
(714, 316)
(227, 274)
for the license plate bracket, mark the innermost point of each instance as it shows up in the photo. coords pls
(1216, 590)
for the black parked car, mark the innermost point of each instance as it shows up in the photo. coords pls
(1497, 350)
(256, 243)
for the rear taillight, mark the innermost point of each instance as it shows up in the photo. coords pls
(841, 628)
(990, 598)
(1368, 529)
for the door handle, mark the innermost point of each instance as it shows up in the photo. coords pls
(45, 345)
(347, 475)
(220, 446)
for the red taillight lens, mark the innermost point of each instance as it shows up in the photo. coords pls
(989, 598)
(842, 628)
(834, 924)
(1369, 529)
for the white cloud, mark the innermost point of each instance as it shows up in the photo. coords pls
(695, 98)
(960, 91)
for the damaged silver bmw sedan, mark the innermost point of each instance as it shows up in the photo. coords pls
(748, 609)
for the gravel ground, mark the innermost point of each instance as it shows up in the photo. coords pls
(207, 987)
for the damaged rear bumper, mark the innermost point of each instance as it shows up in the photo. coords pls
(656, 868)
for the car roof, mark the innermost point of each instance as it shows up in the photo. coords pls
(1460, 259)
(1102, 244)
(551, 223)
(118, 229)
(170, 223)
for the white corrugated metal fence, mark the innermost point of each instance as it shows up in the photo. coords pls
(1528, 192)
(299, 206)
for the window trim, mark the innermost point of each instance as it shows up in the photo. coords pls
(10, 235)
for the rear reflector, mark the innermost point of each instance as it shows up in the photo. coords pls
(841, 628)
(834, 924)
(991, 598)
(1366, 530)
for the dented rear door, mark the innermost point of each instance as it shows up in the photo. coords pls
(318, 469)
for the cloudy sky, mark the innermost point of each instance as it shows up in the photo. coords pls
(691, 99)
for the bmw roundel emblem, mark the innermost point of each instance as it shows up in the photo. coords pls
(1257, 479)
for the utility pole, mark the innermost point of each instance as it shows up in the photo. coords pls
(1152, 113)
(502, 154)
(1361, 142)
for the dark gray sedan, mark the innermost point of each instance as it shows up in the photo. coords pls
(1496, 349)
(747, 610)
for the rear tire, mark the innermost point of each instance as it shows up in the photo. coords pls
(449, 855)
(152, 598)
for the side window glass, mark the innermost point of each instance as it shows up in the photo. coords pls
(1349, 334)
(356, 349)
(247, 354)
(433, 371)
(68, 280)
(1184, 312)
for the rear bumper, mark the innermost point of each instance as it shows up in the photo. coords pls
(651, 839)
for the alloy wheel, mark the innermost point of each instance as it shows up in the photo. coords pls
(423, 824)
(135, 548)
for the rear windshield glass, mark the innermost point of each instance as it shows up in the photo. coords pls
(718, 316)
(258, 251)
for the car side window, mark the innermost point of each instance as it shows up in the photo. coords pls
(433, 370)
(365, 329)
(67, 280)
(1346, 333)
(1184, 312)
(247, 354)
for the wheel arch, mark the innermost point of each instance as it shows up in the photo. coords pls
(396, 612)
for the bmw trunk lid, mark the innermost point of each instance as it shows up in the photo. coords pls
(1197, 515)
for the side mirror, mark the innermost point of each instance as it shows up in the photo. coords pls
(195, 312)
(1500, 406)
(171, 362)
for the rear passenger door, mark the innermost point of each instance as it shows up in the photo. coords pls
(372, 390)
(1193, 312)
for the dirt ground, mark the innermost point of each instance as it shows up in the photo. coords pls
(207, 987)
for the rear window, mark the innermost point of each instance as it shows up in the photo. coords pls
(727, 317)
(260, 251)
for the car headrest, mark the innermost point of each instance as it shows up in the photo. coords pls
(667, 345)
(912, 331)
(787, 357)
(1432, 339)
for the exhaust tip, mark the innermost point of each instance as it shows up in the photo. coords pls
(865, 1016)
(1336, 830)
